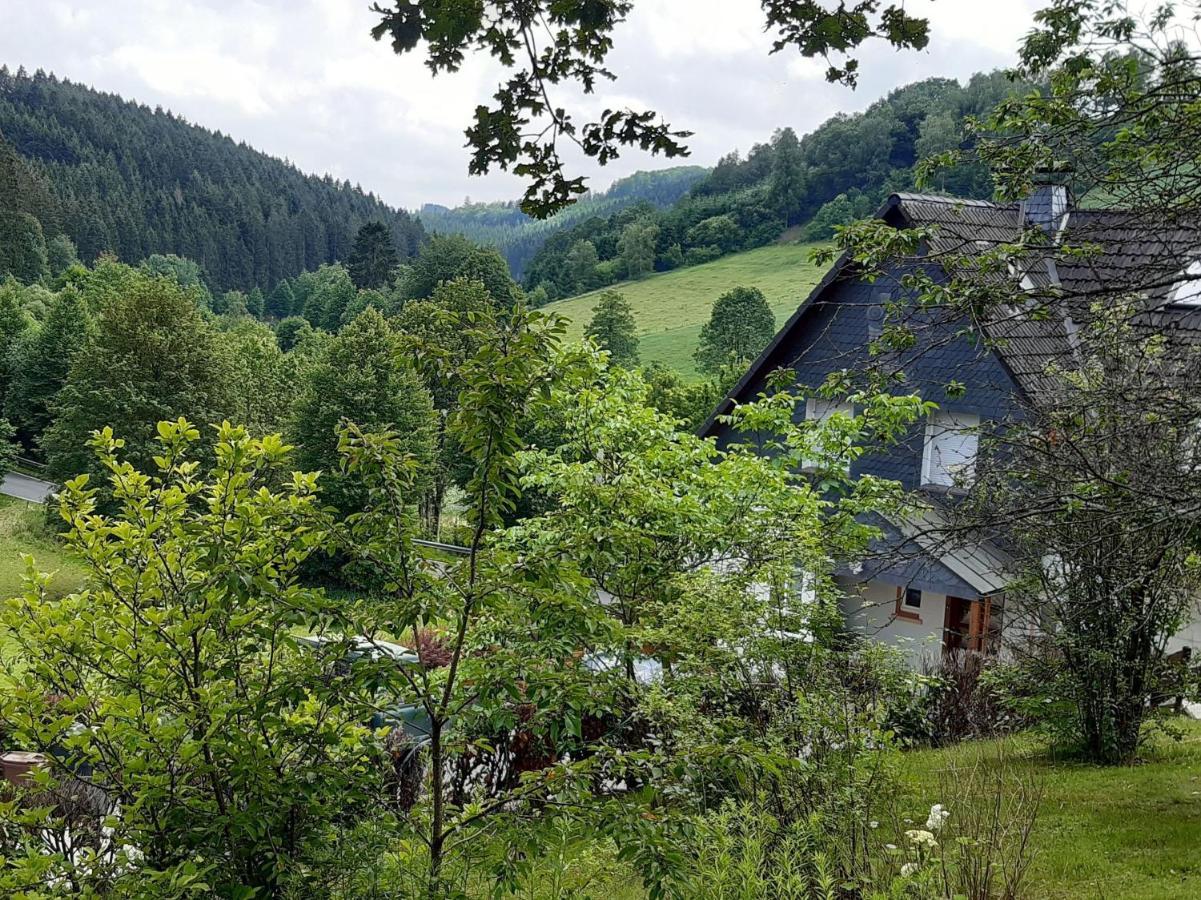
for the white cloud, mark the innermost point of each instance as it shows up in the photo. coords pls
(303, 79)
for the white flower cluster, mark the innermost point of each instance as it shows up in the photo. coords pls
(921, 838)
(938, 817)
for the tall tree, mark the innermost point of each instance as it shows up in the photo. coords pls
(442, 333)
(22, 247)
(740, 325)
(14, 323)
(280, 303)
(328, 292)
(788, 175)
(153, 357)
(636, 247)
(360, 378)
(374, 259)
(262, 378)
(612, 327)
(581, 265)
(41, 364)
(447, 257)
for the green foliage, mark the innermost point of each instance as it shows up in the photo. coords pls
(576, 53)
(373, 259)
(689, 403)
(740, 325)
(61, 254)
(187, 274)
(441, 334)
(220, 751)
(324, 296)
(359, 377)
(262, 379)
(518, 236)
(152, 357)
(22, 247)
(613, 328)
(447, 257)
(280, 304)
(116, 176)
(580, 264)
(41, 364)
(290, 331)
(636, 248)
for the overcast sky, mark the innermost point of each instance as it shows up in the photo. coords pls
(303, 79)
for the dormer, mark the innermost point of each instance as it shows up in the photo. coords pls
(1048, 206)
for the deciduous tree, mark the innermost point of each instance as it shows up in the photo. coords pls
(153, 357)
(612, 327)
(361, 378)
(740, 325)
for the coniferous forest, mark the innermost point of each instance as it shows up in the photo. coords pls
(116, 176)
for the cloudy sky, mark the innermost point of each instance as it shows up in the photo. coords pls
(303, 79)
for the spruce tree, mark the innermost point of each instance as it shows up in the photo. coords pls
(41, 365)
(374, 259)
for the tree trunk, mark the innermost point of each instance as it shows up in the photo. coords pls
(436, 836)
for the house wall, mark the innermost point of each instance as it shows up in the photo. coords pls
(833, 336)
(868, 609)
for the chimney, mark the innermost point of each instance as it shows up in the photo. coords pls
(1048, 206)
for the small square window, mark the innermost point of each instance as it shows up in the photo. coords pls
(913, 598)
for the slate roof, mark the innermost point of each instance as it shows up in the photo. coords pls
(1127, 252)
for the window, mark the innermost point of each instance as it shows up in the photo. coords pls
(820, 410)
(950, 451)
(909, 604)
(1187, 291)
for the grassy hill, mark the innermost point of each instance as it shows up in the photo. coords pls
(671, 307)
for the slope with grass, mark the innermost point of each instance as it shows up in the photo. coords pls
(23, 530)
(1129, 832)
(671, 307)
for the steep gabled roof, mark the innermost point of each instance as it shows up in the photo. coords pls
(1132, 254)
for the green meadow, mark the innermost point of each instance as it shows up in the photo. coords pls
(671, 307)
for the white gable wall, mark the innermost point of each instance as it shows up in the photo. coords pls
(869, 609)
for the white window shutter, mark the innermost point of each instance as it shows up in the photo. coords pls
(950, 450)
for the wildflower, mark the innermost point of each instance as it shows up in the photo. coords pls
(909, 869)
(938, 817)
(873, 824)
(921, 838)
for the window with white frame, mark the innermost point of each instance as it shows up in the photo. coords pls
(818, 409)
(1187, 291)
(949, 455)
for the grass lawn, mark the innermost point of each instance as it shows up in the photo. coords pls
(23, 530)
(1131, 833)
(671, 307)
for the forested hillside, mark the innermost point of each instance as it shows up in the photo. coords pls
(518, 236)
(114, 175)
(839, 172)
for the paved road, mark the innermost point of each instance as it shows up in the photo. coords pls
(26, 488)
